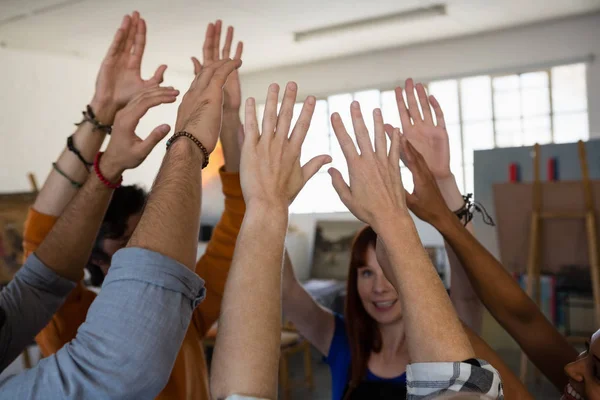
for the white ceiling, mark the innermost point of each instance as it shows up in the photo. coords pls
(176, 28)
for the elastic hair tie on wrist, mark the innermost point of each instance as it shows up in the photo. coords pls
(73, 149)
(193, 139)
(101, 177)
(73, 182)
(89, 116)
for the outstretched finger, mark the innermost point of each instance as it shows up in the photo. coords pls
(238, 51)
(439, 114)
(197, 65)
(303, 123)
(150, 99)
(119, 38)
(250, 132)
(204, 78)
(360, 130)
(209, 42)
(217, 44)
(402, 110)
(413, 107)
(341, 187)
(286, 112)
(313, 166)
(153, 139)
(380, 141)
(425, 107)
(227, 46)
(135, 19)
(159, 75)
(346, 143)
(395, 148)
(139, 44)
(269, 121)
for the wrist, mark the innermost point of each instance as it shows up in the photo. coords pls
(109, 169)
(450, 192)
(390, 224)
(186, 147)
(276, 208)
(104, 109)
(447, 223)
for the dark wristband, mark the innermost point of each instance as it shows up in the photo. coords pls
(72, 148)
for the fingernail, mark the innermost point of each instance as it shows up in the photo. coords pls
(274, 87)
(165, 128)
(335, 116)
(377, 112)
(250, 101)
(292, 86)
(310, 100)
(355, 104)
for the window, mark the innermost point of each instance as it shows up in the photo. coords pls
(481, 112)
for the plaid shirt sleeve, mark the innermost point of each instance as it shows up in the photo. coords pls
(430, 380)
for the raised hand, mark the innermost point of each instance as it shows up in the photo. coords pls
(201, 109)
(212, 54)
(426, 201)
(125, 149)
(271, 173)
(119, 79)
(375, 192)
(429, 138)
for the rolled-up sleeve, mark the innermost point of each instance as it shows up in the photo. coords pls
(133, 331)
(430, 380)
(27, 305)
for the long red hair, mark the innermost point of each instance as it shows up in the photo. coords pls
(362, 330)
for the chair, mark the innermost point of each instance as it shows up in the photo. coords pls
(291, 343)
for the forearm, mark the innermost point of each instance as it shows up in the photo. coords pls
(171, 220)
(57, 190)
(433, 330)
(68, 246)
(230, 131)
(253, 289)
(463, 296)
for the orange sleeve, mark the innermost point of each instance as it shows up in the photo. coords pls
(214, 265)
(64, 324)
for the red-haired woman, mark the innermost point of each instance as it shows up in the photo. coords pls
(366, 348)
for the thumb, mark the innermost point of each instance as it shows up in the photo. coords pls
(197, 65)
(159, 75)
(342, 189)
(313, 166)
(154, 138)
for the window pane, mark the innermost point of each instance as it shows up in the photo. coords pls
(508, 133)
(535, 101)
(389, 109)
(446, 93)
(476, 98)
(569, 128)
(534, 79)
(317, 138)
(477, 136)
(536, 130)
(508, 82)
(569, 88)
(369, 100)
(455, 146)
(469, 179)
(507, 104)
(318, 195)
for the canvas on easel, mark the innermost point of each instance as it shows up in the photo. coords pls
(13, 212)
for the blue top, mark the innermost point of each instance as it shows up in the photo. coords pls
(339, 362)
(127, 345)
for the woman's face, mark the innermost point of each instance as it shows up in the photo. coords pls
(584, 373)
(378, 296)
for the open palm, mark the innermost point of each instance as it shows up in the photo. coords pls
(429, 138)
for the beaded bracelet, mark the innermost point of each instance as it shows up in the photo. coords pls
(193, 139)
(466, 212)
(101, 177)
(72, 148)
(89, 116)
(74, 183)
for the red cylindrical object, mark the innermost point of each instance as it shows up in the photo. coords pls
(551, 169)
(513, 173)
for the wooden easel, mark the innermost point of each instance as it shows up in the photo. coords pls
(538, 216)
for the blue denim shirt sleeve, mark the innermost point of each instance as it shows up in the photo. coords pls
(27, 304)
(127, 345)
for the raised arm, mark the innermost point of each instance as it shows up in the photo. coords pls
(430, 138)
(312, 320)
(118, 82)
(498, 291)
(376, 196)
(246, 354)
(28, 304)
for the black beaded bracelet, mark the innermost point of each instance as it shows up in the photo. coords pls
(72, 148)
(193, 139)
(89, 116)
(74, 183)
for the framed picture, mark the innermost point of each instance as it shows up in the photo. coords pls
(333, 243)
(13, 212)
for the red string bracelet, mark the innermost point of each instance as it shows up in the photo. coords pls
(105, 181)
